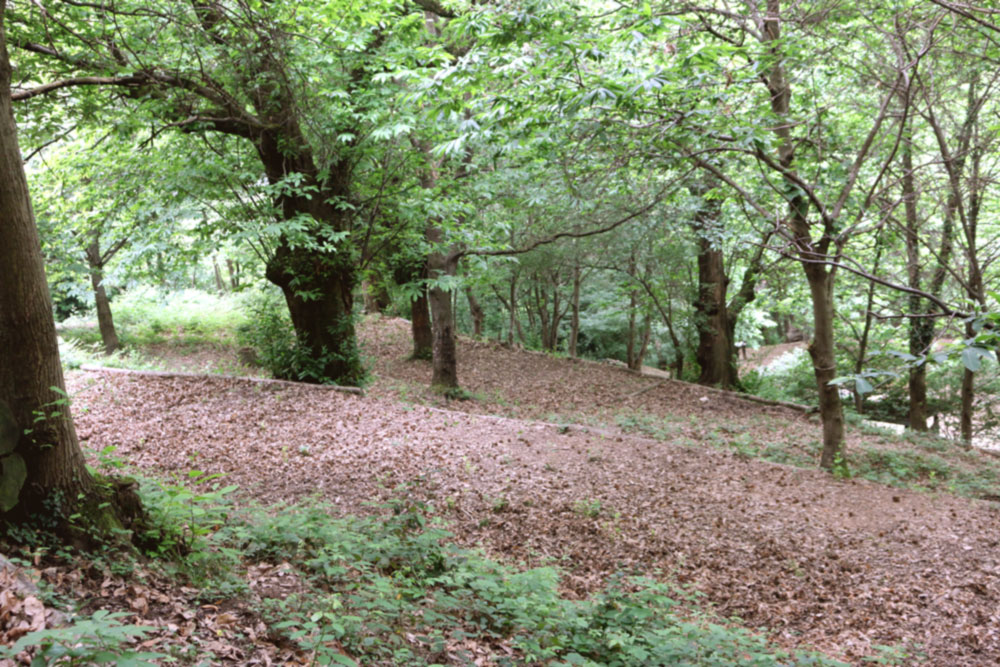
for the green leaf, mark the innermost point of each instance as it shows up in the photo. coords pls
(972, 358)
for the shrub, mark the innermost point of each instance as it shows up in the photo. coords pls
(268, 330)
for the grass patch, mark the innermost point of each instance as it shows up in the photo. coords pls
(144, 316)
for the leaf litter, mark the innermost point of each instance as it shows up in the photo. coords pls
(840, 565)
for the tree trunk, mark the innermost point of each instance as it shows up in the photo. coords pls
(811, 253)
(445, 355)
(921, 329)
(968, 395)
(676, 342)
(420, 325)
(39, 447)
(821, 350)
(859, 363)
(630, 340)
(515, 323)
(716, 353)
(319, 295)
(441, 263)
(574, 322)
(220, 287)
(105, 322)
(234, 274)
(476, 311)
(647, 331)
(376, 296)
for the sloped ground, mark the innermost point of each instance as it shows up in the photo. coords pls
(841, 565)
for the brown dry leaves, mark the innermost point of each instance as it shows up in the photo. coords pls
(840, 565)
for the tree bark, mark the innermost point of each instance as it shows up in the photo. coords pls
(376, 296)
(445, 354)
(420, 326)
(56, 481)
(968, 395)
(716, 352)
(515, 323)
(476, 311)
(105, 322)
(820, 279)
(319, 295)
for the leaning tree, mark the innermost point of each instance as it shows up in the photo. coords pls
(43, 469)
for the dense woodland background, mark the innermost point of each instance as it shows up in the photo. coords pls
(668, 185)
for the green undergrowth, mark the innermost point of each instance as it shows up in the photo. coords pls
(911, 460)
(395, 589)
(145, 316)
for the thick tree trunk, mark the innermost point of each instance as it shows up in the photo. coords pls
(420, 326)
(445, 354)
(716, 351)
(319, 295)
(476, 311)
(442, 263)
(47, 455)
(105, 322)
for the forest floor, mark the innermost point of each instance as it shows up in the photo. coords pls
(601, 471)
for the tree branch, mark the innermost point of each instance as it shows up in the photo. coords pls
(46, 88)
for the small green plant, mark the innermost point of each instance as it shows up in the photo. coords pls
(98, 639)
(181, 516)
(590, 507)
(268, 330)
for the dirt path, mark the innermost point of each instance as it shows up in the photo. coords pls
(842, 565)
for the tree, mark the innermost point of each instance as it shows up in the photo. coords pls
(313, 111)
(43, 468)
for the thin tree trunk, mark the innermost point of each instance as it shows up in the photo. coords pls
(105, 322)
(647, 331)
(821, 348)
(859, 364)
(574, 322)
(476, 311)
(675, 341)
(512, 310)
(220, 287)
(234, 274)
(820, 280)
(921, 329)
(633, 301)
(968, 395)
